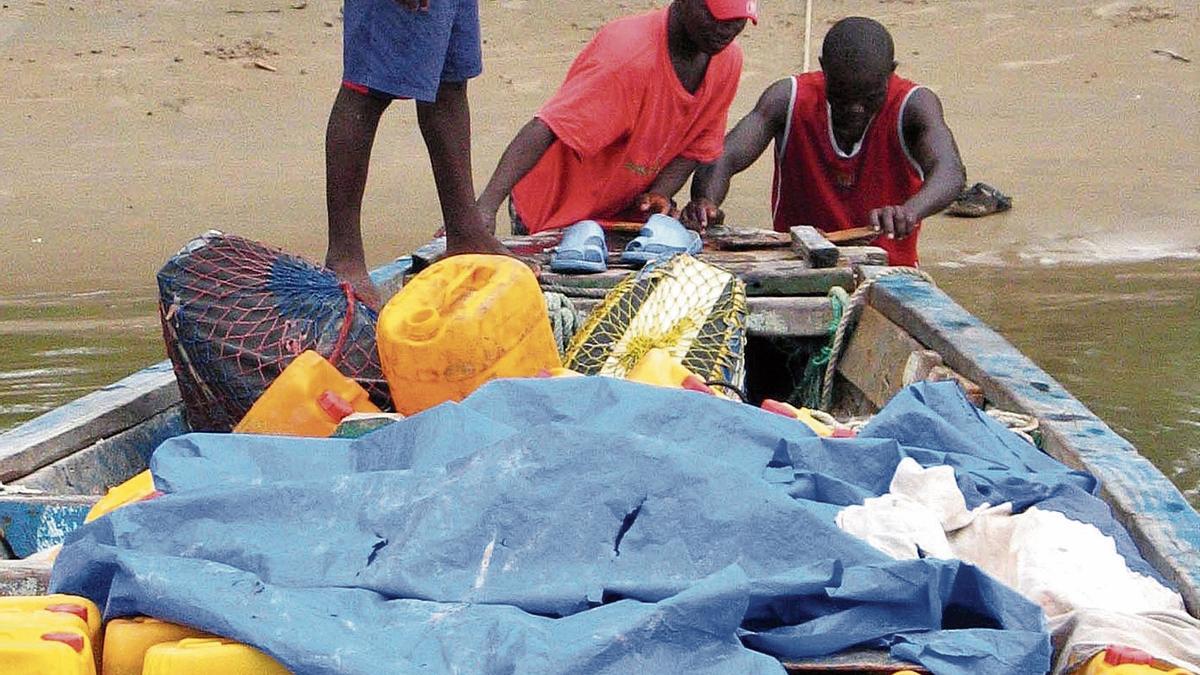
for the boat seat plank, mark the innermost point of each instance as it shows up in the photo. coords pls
(769, 317)
(1161, 522)
(770, 278)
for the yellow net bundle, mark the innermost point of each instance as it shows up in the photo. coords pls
(694, 311)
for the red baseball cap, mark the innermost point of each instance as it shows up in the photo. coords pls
(726, 10)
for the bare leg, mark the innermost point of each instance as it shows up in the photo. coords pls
(446, 126)
(348, 141)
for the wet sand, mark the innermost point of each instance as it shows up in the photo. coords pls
(130, 126)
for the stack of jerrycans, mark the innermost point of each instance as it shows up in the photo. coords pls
(144, 646)
(49, 635)
(61, 635)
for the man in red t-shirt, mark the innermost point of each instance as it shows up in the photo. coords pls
(643, 104)
(855, 146)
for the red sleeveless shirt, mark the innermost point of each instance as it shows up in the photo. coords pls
(816, 184)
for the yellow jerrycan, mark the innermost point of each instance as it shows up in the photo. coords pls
(46, 642)
(463, 321)
(208, 656)
(309, 398)
(127, 640)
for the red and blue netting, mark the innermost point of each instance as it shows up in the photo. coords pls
(236, 312)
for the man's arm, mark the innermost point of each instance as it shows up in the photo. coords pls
(519, 158)
(932, 146)
(749, 138)
(659, 199)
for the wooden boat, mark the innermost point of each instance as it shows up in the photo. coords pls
(72, 454)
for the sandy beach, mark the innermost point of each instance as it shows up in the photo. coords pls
(130, 126)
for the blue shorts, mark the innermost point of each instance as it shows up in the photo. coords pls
(405, 54)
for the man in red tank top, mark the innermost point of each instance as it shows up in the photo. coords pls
(855, 146)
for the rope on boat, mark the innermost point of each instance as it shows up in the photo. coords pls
(1020, 424)
(564, 319)
(849, 318)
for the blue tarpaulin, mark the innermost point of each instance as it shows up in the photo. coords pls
(574, 525)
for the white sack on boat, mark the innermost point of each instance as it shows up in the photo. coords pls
(1059, 563)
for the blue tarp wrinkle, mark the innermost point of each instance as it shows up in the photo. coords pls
(576, 525)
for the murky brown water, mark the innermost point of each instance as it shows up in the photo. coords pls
(1121, 337)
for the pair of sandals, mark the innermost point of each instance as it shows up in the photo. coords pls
(583, 250)
(979, 200)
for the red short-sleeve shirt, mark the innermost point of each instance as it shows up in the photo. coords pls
(620, 117)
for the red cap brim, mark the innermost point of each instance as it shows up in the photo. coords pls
(726, 10)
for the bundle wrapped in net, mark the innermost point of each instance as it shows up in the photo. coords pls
(236, 312)
(694, 311)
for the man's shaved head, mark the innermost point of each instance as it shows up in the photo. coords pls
(858, 59)
(859, 44)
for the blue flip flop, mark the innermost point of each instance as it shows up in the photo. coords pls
(581, 251)
(661, 237)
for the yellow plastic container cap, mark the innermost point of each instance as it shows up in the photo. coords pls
(309, 398)
(208, 656)
(463, 321)
(126, 642)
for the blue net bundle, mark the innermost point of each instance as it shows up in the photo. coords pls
(236, 312)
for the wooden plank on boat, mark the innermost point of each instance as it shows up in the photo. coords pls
(744, 239)
(862, 255)
(722, 258)
(23, 577)
(100, 414)
(776, 277)
(1162, 523)
(110, 461)
(789, 317)
(769, 317)
(854, 235)
(851, 661)
(32, 523)
(876, 355)
(790, 277)
(810, 245)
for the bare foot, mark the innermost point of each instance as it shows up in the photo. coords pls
(366, 293)
(359, 280)
(486, 243)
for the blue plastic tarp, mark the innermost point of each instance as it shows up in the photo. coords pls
(573, 525)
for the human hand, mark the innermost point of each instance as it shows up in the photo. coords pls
(651, 203)
(893, 222)
(700, 213)
(415, 5)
